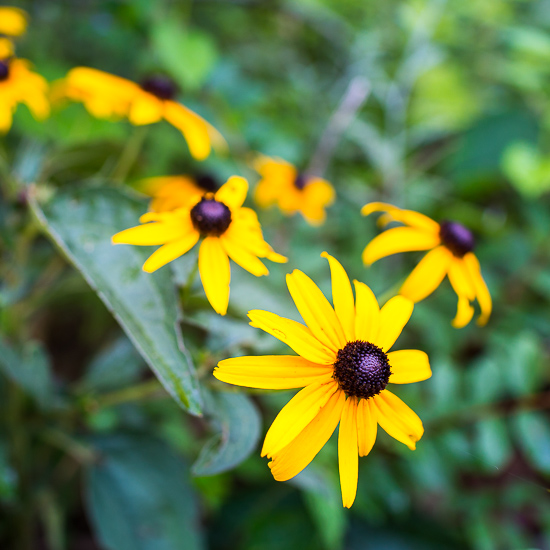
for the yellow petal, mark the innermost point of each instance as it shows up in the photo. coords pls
(427, 275)
(316, 310)
(342, 297)
(5, 118)
(13, 21)
(482, 292)
(398, 419)
(294, 335)
(233, 192)
(393, 317)
(464, 313)
(169, 252)
(366, 426)
(215, 273)
(243, 257)
(291, 460)
(145, 109)
(408, 366)
(6, 48)
(194, 128)
(277, 258)
(296, 415)
(348, 459)
(367, 317)
(152, 233)
(272, 372)
(408, 217)
(399, 239)
(460, 279)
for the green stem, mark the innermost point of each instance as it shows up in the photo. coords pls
(144, 390)
(80, 452)
(129, 154)
(186, 290)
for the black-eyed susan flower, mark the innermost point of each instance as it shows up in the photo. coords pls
(108, 96)
(172, 192)
(292, 191)
(228, 229)
(344, 365)
(450, 246)
(13, 21)
(19, 84)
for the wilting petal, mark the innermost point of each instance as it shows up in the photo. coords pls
(215, 273)
(348, 458)
(398, 419)
(291, 460)
(427, 275)
(315, 310)
(243, 257)
(294, 335)
(408, 217)
(367, 316)
(342, 297)
(272, 372)
(165, 254)
(367, 426)
(408, 366)
(482, 292)
(233, 192)
(464, 313)
(399, 239)
(296, 415)
(460, 279)
(393, 317)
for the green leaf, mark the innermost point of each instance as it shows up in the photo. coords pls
(189, 54)
(237, 421)
(81, 222)
(533, 434)
(30, 370)
(138, 497)
(493, 443)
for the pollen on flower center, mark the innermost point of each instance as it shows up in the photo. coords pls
(361, 369)
(301, 181)
(159, 86)
(457, 238)
(211, 217)
(4, 70)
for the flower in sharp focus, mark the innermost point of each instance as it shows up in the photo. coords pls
(450, 246)
(19, 84)
(229, 230)
(292, 191)
(13, 21)
(344, 366)
(172, 192)
(108, 96)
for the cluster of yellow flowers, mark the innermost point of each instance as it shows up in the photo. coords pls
(343, 360)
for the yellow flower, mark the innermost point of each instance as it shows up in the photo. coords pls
(172, 192)
(18, 84)
(13, 21)
(450, 245)
(343, 365)
(292, 191)
(108, 96)
(229, 231)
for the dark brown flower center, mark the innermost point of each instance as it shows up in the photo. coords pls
(301, 181)
(457, 238)
(4, 70)
(207, 182)
(210, 217)
(159, 86)
(361, 369)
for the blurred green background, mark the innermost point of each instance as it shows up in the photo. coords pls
(94, 454)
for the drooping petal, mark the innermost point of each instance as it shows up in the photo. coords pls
(315, 310)
(348, 458)
(215, 273)
(243, 257)
(408, 366)
(427, 275)
(464, 313)
(398, 419)
(291, 460)
(367, 316)
(460, 279)
(169, 252)
(399, 239)
(233, 192)
(367, 426)
(393, 317)
(408, 217)
(482, 292)
(342, 297)
(272, 372)
(296, 415)
(294, 335)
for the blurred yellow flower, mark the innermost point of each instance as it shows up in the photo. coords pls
(172, 192)
(291, 191)
(344, 366)
(13, 21)
(450, 245)
(18, 84)
(108, 96)
(229, 230)
(6, 48)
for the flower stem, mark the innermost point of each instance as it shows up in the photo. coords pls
(129, 154)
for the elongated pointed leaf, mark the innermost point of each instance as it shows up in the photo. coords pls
(81, 222)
